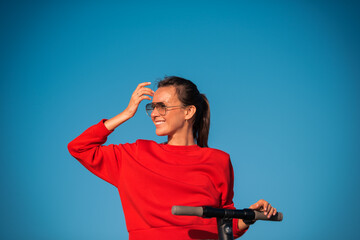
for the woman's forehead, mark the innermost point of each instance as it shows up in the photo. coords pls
(166, 95)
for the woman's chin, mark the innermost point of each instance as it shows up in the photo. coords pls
(160, 133)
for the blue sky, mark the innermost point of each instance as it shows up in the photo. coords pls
(282, 78)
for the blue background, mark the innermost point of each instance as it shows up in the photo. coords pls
(282, 78)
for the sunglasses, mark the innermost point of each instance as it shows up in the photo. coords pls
(160, 107)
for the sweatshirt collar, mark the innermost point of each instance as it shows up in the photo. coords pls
(180, 147)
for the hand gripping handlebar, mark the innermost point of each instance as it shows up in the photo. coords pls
(209, 212)
(224, 217)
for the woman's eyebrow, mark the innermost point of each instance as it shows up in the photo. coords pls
(162, 102)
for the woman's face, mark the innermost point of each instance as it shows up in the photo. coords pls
(172, 123)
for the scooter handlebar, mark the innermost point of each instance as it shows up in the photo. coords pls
(209, 212)
(187, 211)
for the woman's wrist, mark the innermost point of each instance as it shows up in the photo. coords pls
(127, 114)
(116, 121)
(242, 225)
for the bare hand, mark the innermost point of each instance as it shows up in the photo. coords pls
(140, 93)
(264, 207)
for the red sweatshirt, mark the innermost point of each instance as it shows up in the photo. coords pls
(153, 177)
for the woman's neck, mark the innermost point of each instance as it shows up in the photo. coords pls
(178, 139)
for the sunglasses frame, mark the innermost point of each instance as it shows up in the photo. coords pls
(154, 105)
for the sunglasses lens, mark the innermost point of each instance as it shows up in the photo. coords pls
(161, 110)
(149, 108)
(160, 107)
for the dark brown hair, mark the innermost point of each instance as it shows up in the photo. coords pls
(188, 94)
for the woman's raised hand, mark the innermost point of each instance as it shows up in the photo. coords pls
(140, 93)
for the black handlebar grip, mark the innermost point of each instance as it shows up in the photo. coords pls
(188, 211)
(261, 216)
(215, 212)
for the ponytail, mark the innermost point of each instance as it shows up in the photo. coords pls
(201, 126)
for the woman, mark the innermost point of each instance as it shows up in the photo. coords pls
(153, 177)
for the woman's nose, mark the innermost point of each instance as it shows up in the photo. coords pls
(154, 113)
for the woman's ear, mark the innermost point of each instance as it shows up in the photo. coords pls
(190, 112)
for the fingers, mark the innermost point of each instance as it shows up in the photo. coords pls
(141, 95)
(268, 210)
(142, 91)
(265, 207)
(142, 85)
(254, 206)
(272, 212)
(144, 97)
(260, 205)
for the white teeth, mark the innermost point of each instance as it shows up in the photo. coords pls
(159, 122)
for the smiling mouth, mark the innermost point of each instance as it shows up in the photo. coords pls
(159, 122)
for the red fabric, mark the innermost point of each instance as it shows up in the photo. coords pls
(153, 177)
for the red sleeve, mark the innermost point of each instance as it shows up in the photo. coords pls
(103, 161)
(227, 197)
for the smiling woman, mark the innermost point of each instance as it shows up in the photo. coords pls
(153, 177)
